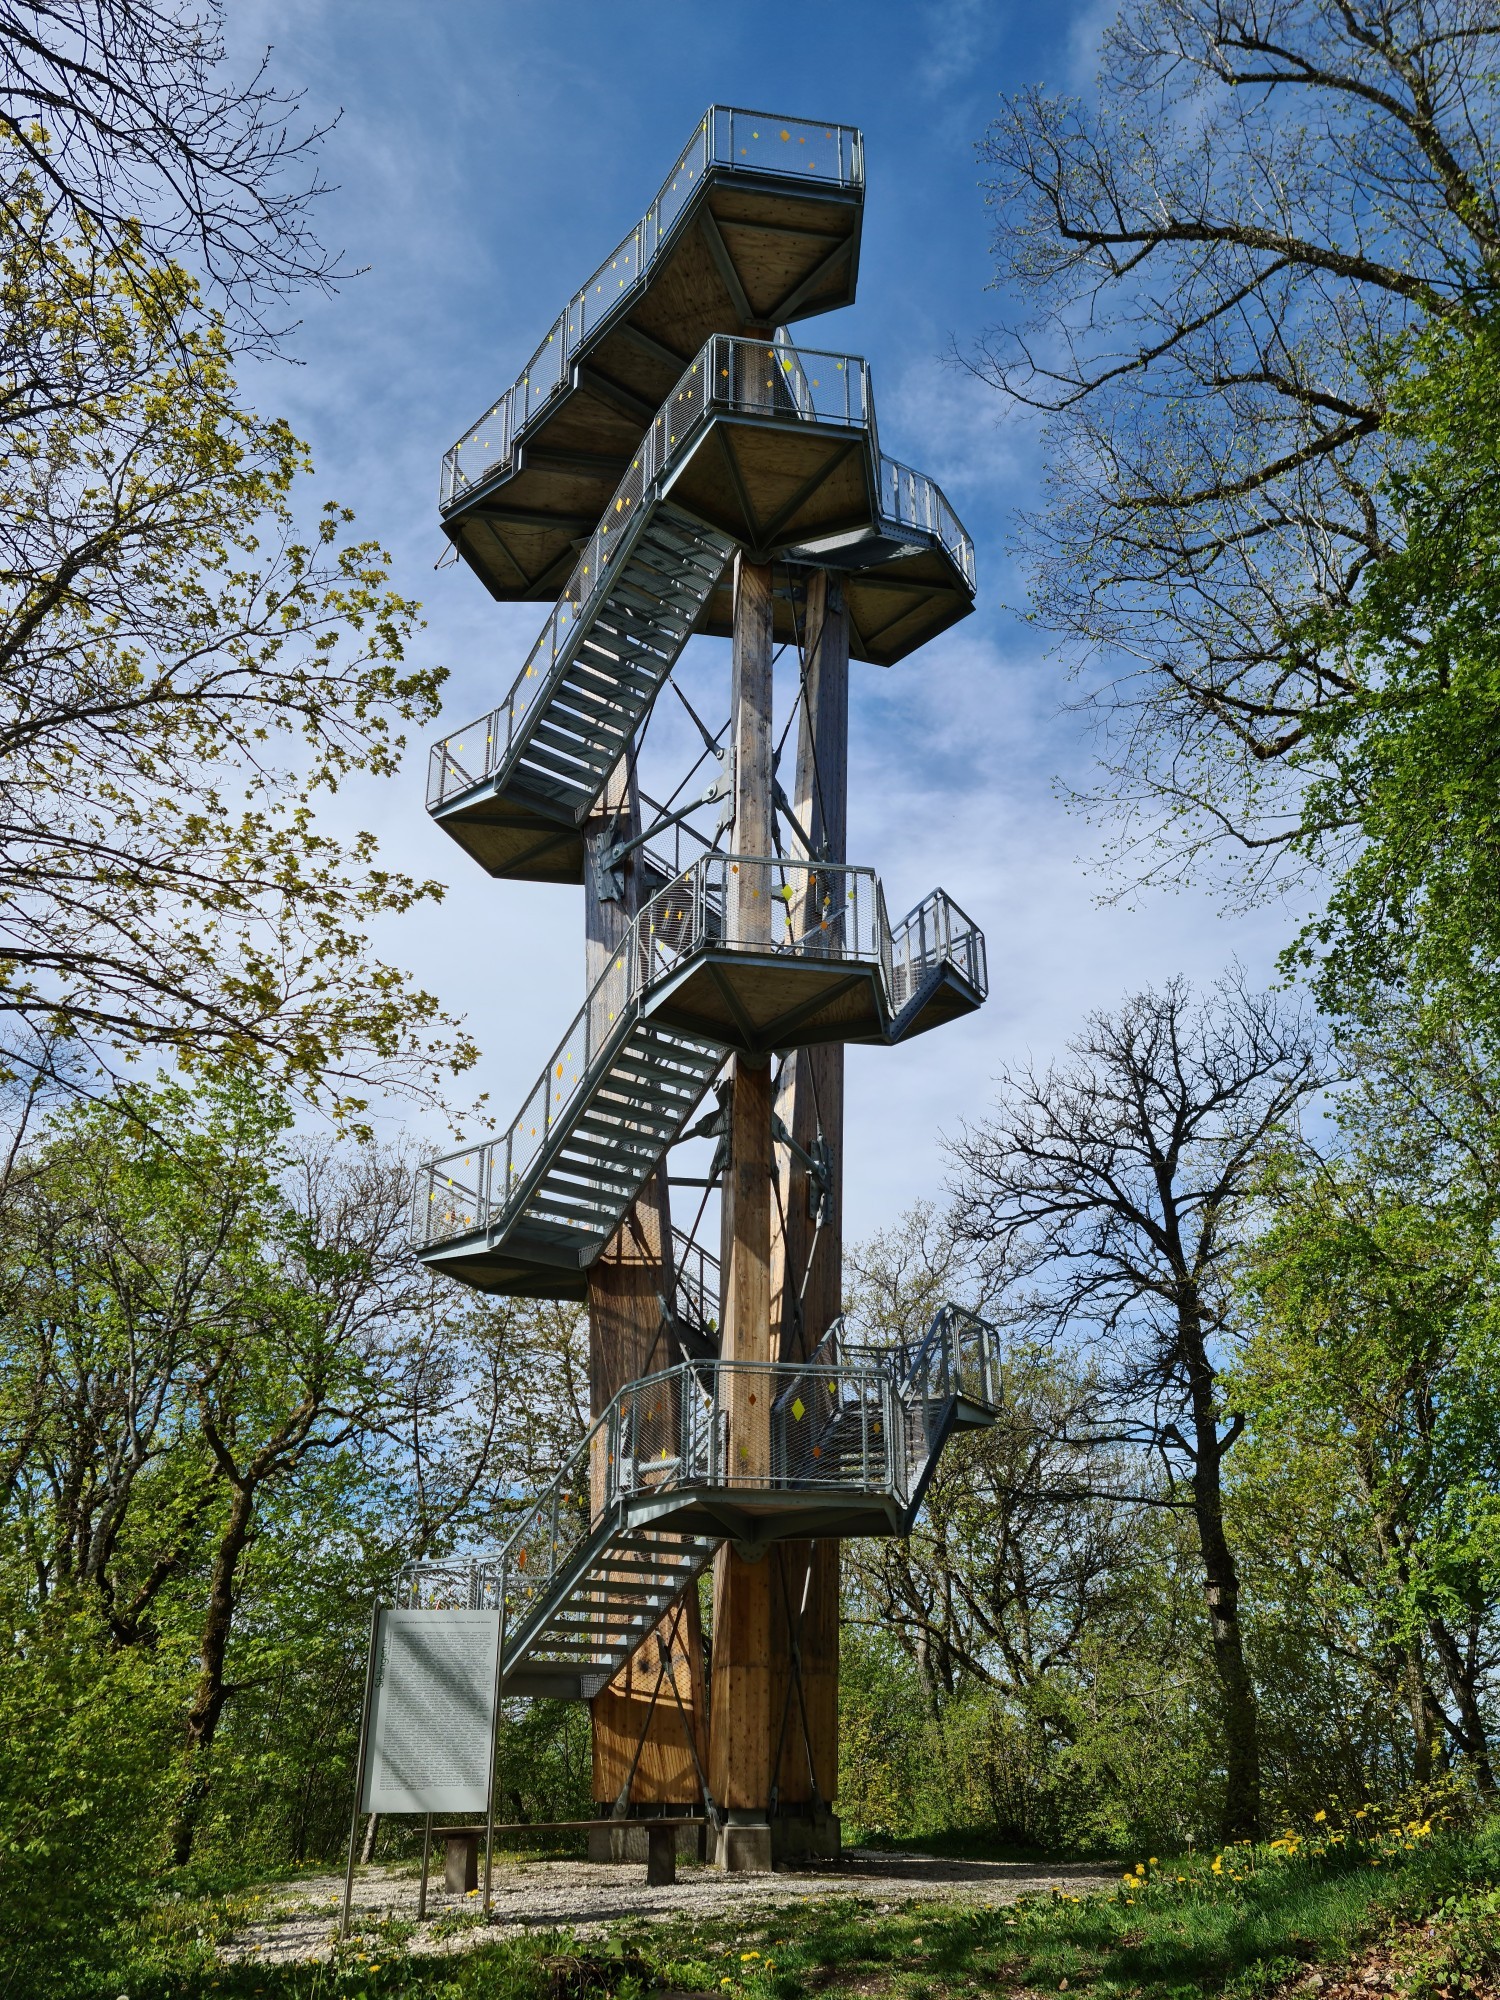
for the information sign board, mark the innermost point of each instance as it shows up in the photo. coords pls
(432, 1712)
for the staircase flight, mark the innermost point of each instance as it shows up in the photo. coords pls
(683, 1460)
(660, 428)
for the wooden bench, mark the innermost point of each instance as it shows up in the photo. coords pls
(462, 1844)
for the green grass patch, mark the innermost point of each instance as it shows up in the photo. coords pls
(1243, 1924)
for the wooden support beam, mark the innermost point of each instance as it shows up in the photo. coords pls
(627, 1338)
(718, 249)
(807, 1261)
(740, 1739)
(619, 398)
(799, 295)
(647, 344)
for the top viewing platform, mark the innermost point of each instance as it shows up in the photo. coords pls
(756, 226)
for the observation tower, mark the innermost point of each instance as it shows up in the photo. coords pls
(670, 462)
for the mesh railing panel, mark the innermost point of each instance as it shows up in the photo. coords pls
(909, 499)
(936, 933)
(726, 137)
(858, 1419)
(739, 375)
(730, 902)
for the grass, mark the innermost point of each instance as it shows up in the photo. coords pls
(1242, 1924)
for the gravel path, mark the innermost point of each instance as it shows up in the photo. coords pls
(587, 1896)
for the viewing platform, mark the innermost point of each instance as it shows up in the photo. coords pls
(757, 225)
(686, 1458)
(738, 953)
(758, 445)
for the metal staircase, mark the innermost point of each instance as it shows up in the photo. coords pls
(528, 1211)
(656, 432)
(686, 1459)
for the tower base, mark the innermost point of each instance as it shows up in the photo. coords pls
(802, 1834)
(743, 1846)
(754, 1842)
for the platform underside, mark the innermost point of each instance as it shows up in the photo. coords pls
(759, 1003)
(521, 1266)
(949, 999)
(743, 258)
(512, 839)
(756, 1518)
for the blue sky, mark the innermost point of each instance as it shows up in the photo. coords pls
(489, 154)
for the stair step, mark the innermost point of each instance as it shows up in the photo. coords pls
(599, 745)
(624, 1145)
(576, 781)
(680, 580)
(632, 661)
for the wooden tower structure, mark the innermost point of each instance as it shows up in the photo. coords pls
(667, 463)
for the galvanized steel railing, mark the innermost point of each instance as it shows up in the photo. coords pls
(727, 137)
(909, 499)
(822, 912)
(858, 1419)
(743, 376)
(958, 1355)
(934, 934)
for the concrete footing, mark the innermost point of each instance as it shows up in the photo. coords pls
(628, 1842)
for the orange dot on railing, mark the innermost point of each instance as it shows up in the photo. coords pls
(786, 135)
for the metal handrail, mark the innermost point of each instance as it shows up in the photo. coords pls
(935, 933)
(733, 902)
(860, 1423)
(910, 499)
(745, 141)
(744, 376)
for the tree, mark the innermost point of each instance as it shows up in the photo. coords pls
(1374, 1368)
(212, 1325)
(182, 676)
(1408, 759)
(1218, 265)
(1116, 1189)
(140, 139)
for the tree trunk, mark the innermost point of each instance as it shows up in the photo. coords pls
(1461, 1677)
(211, 1692)
(1221, 1583)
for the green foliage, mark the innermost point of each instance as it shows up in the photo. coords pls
(1406, 795)
(85, 1740)
(184, 670)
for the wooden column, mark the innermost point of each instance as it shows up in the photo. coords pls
(807, 1266)
(626, 1339)
(740, 1728)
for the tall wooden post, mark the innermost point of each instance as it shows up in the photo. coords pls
(807, 1269)
(740, 1727)
(627, 1287)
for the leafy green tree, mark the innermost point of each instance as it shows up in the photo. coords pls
(1213, 263)
(1372, 1385)
(1405, 783)
(184, 676)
